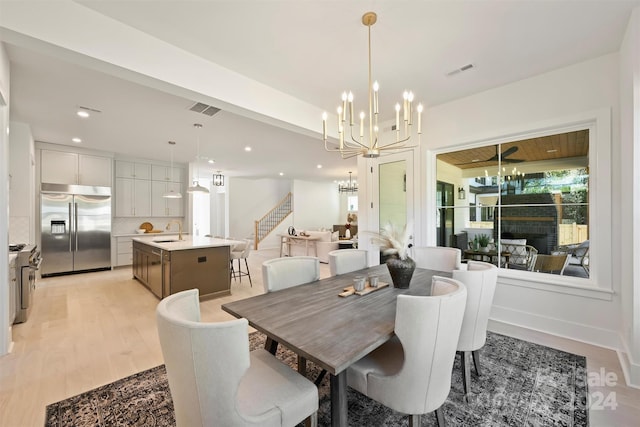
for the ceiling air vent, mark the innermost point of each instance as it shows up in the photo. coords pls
(459, 70)
(210, 111)
(205, 109)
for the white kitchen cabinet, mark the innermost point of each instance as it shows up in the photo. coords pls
(166, 173)
(125, 169)
(124, 248)
(94, 170)
(133, 197)
(161, 206)
(60, 167)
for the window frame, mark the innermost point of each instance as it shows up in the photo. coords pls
(598, 122)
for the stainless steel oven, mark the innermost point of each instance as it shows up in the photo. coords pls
(27, 264)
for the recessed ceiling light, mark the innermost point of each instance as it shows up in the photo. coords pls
(211, 161)
(319, 166)
(281, 173)
(247, 148)
(475, 160)
(551, 151)
(76, 140)
(82, 113)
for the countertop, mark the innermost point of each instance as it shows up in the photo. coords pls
(189, 242)
(162, 233)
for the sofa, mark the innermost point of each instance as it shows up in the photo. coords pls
(327, 242)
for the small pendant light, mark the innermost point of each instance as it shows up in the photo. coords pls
(196, 187)
(172, 194)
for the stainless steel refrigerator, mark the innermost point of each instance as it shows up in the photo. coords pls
(76, 228)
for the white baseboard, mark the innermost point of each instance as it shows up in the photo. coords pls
(506, 319)
(630, 369)
(520, 324)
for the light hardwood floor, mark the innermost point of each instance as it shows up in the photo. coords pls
(87, 330)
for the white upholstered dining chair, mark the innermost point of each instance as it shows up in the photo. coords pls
(480, 279)
(283, 273)
(439, 258)
(346, 260)
(411, 373)
(215, 380)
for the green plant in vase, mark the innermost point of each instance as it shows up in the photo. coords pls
(483, 241)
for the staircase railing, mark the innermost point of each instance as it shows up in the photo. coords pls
(272, 219)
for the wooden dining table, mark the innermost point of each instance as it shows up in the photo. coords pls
(332, 331)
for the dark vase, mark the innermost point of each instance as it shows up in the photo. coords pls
(401, 271)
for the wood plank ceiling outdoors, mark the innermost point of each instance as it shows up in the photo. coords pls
(561, 146)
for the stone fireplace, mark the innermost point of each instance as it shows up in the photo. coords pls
(529, 216)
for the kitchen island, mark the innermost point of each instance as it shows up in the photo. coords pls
(167, 265)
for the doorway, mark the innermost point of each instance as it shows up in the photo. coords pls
(445, 215)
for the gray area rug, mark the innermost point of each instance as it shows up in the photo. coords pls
(522, 384)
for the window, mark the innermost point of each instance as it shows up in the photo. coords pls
(530, 197)
(352, 203)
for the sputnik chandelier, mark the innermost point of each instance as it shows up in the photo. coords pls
(348, 187)
(371, 146)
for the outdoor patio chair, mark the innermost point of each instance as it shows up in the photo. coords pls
(522, 256)
(555, 263)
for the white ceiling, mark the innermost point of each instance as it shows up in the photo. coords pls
(312, 50)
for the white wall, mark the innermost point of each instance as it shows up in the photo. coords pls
(316, 205)
(249, 200)
(588, 89)
(627, 253)
(217, 210)
(5, 327)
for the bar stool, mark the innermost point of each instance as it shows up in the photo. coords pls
(240, 252)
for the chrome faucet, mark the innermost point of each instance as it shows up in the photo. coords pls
(179, 227)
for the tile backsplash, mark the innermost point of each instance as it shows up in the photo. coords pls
(121, 225)
(19, 230)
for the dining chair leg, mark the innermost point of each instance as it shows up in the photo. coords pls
(312, 420)
(465, 363)
(476, 361)
(320, 377)
(248, 273)
(440, 417)
(414, 420)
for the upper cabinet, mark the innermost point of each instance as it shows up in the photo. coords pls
(126, 169)
(59, 167)
(166, 173)
(140, 188)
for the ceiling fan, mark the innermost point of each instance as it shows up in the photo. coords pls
(499, 156)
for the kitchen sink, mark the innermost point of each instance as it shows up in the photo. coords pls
(166, 241)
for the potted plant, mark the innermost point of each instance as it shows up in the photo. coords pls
(483, 241)
(394, 243)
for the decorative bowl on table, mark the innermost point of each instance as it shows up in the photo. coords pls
(141, 231)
